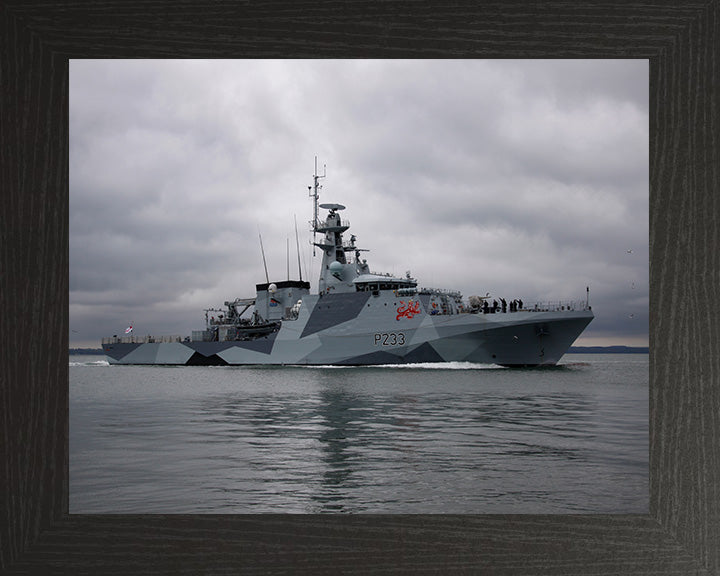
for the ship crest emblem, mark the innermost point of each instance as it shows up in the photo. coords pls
(409, 310)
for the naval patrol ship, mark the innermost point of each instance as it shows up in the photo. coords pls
(359, 317)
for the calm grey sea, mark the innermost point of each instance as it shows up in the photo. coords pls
(455, 438)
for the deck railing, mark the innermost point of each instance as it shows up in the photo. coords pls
(141, 339)
(557, 306)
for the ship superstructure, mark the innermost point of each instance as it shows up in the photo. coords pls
(358, 317)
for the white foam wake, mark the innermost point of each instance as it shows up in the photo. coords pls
(90, 363)
(420, 366)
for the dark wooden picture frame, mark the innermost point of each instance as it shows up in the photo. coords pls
(681, 533)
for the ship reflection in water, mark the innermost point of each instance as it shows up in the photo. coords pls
(458, 439)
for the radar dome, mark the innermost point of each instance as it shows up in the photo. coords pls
(272, 288)
(336, 268)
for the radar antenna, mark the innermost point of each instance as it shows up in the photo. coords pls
(315, 194)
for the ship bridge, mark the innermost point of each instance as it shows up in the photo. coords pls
(375, 282)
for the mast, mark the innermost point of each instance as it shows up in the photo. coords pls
(315, 194)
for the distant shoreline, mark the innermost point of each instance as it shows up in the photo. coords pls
(573, 350)
(609, 350)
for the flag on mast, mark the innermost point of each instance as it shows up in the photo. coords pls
(128, 329)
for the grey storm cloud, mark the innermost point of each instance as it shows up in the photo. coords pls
(519, 178)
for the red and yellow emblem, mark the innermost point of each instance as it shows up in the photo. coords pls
(407, 310)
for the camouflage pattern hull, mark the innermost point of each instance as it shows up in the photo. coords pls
(360, 317)
(363, 328)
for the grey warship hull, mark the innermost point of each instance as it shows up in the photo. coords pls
(359, 317)
(362, 329)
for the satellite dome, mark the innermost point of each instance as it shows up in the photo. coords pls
(272, 288)
(336, 267)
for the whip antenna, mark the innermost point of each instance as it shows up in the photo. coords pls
(262, 250)
(297, 245)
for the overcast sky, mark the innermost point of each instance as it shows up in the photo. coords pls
(523, 178)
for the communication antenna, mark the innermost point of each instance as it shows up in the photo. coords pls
(297, 245)
(262, 250)
(315, 194)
